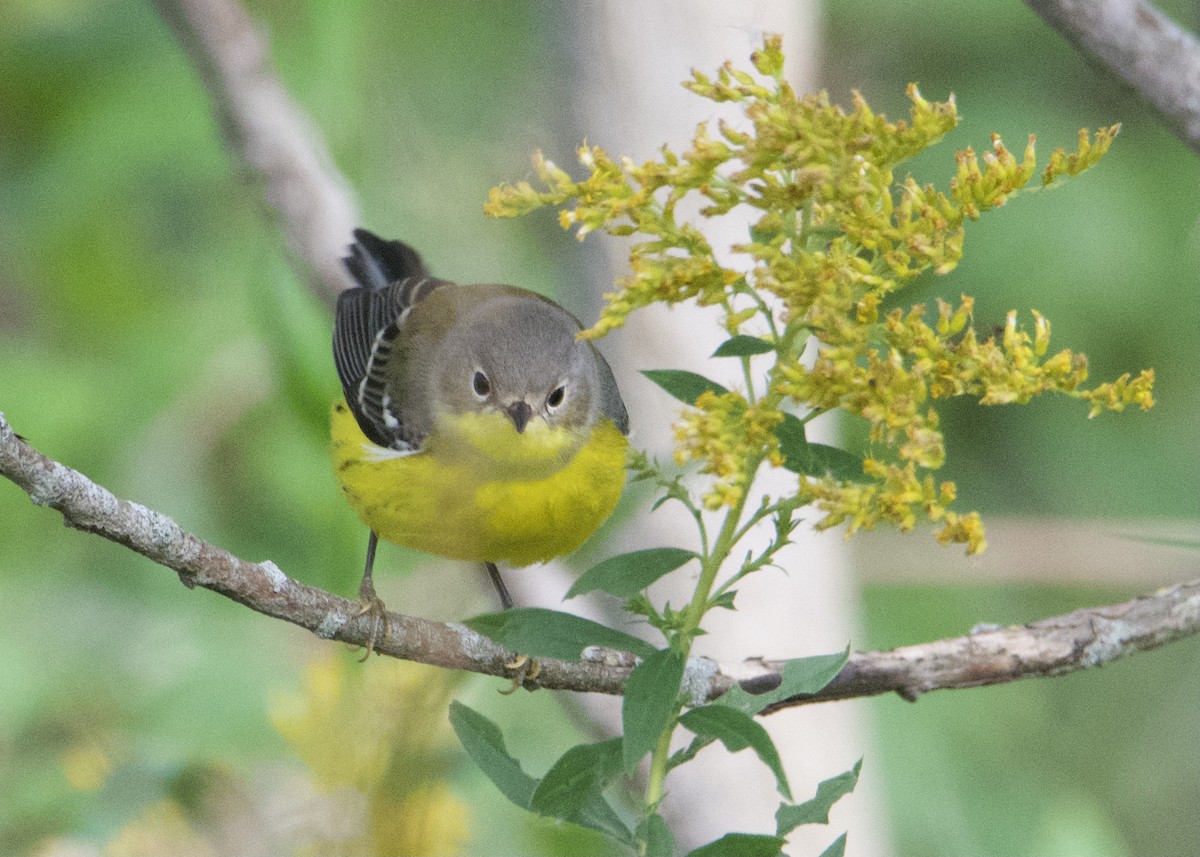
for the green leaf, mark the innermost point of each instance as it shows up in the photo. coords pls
(598, 814)
(741, 845)
(542, 633)
(483, 742)
(651, 692)
(793, 441)
(683, 385)
(725, 599)
(832, 461)
(814, 459)
(572, 789)
(743, 346)
(837, 849)
(737, 731)
(799, 676)
(657, 836)
(816, 811)
(630, 573)
(580, 774)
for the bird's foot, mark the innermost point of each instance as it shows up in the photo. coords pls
(525, 672)
(372, 605)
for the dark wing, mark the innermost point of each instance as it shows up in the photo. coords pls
(611, 403)
(376, 263)
(367, 322)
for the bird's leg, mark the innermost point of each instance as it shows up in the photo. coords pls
(525, 669)
(505, 599)
(372, 603)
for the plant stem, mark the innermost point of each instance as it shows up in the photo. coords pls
(658, 766)
(750, 397)
(710, 565)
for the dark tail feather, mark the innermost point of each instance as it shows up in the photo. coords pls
(375, 263)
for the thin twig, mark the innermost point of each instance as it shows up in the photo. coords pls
(1140, 45)
(990, 655)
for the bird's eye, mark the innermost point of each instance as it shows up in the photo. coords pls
(480, 384)
(556, 396)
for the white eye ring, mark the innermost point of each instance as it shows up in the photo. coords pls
(480, 385)
(557, 396)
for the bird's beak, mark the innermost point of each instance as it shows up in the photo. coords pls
(520, 413)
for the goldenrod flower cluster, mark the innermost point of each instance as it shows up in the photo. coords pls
(725, 433)
(833, 234)
(894, 497)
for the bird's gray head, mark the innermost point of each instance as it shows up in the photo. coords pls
(517, 355)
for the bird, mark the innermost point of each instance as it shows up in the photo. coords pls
(476, 425)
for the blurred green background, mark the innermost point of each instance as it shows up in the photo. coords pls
(153, 337)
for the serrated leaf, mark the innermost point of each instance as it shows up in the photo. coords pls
(651, 692)
(657, 836)
(837, 849)
(685, 386)
(737, 731)
(741, 845)
(816, 811)
(629, 573)
(798, 676)
(814, 459)
(542, 633)
(743, 346)
(483, 742)
(579, 775)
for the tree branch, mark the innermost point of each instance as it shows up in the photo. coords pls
(989, 655)
(1140, 45)
(992, 654)
(268, 133)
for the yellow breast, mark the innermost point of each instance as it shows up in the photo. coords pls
(522, 501)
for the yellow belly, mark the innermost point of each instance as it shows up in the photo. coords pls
(443, 506)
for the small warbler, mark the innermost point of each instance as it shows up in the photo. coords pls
(475, 426)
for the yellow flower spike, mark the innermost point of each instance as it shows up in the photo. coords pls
(1010, 331)
(722, 433)
(1114, 396)
(835, 234)
(1061, 364)
(735, 320)
(962, 315)
(945, 315)
(965, 529)
(1042, 334)
(769, 60)
(868, 308)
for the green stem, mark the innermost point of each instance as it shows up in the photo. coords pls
(749, 380)
(813, 414)
(710, 567)
(658, 766)
(711, 563)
